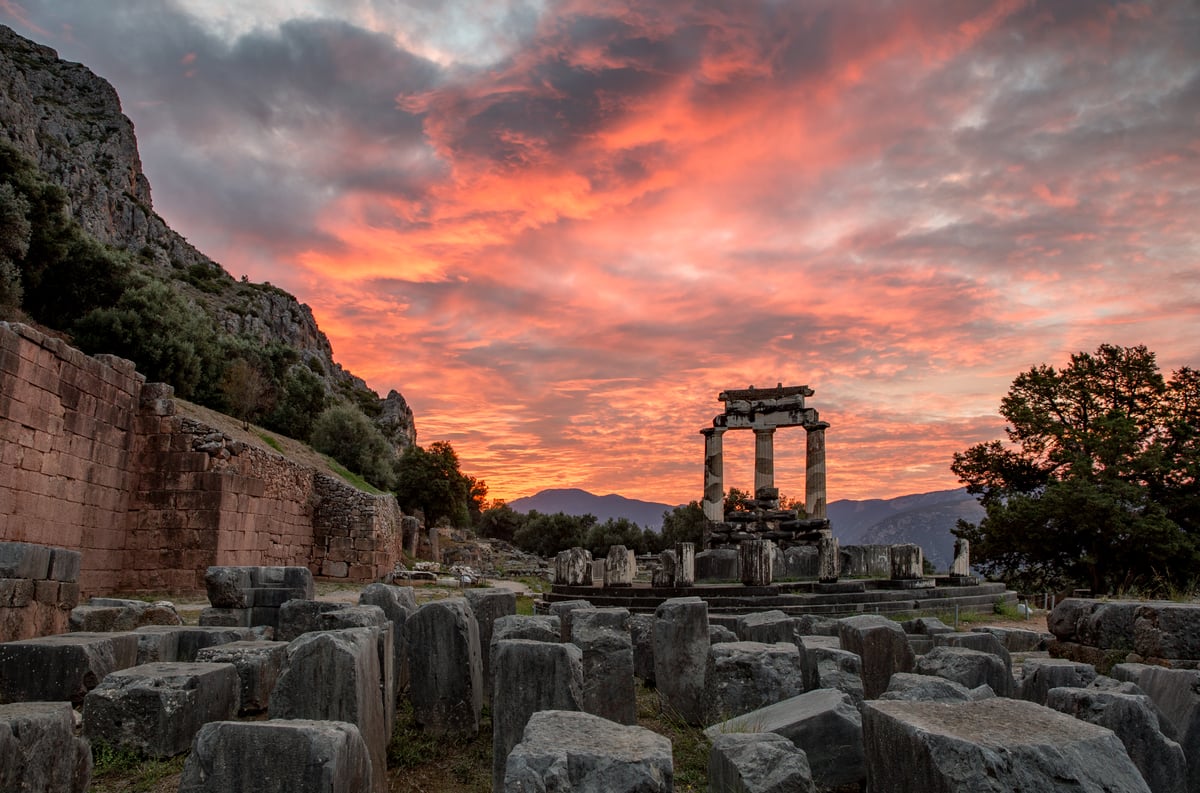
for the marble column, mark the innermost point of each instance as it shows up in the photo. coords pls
(814, 471)
(764, 459)
(961, 566)
(714, 474)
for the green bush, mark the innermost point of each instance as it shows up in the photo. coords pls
(348, 436)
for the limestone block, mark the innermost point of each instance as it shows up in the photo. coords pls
(1107, 624)
(926, 626)
(106, 614)
(562, 609)
(65, 564)
(398, 604)
(665, 575)
(489, 604)
(767, 627)
(882, 646)
(641, 633)
(620, 566)
(984, 642)
(718, 564)
(920, 687)
(39, 750)
(567, 751)
(1167, 630)
(156, 709)
(1017, 640)
(608, 688)
(907, 562)
(16, 592)
(295, 578)
(445, 668)
(1039, 675)
(866, 561)
(1134, 720)
(681, 655)
(1176, 692)
(991, 745)
(685, 564)
(823, 657)
(24, 560)
(258, 665)
(62, 667)
(335, 675)
(536, 627)
(573, 567)
(796, 563)
(229, 618)
(757, 763)
(816, 625)
(719, 634)
(184, 642)
(530, 676)
(745, 676)
(228, 587)
(297, 617)
(969, 668)
(824, 724)
(278, 756)
(755, 561)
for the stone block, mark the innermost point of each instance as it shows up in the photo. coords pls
(156, 709)
(228, 587)
(64, 564)
(746, 676)
(796, 563)
(1106, 624)
(882, 646)
(291, 577)
(573, 567)
(969, 668)
(665, 575)
(297, 617)
(228, 618)
(489, 604)
(991, 745)
(24, 560)
(62, 667)
(685, 564)
(536, 627)
(641, 633)
(719, 634)
(39, 750)
(919, 687)
(984, 642)
(1039, 675)
(184, 642)
(907, 562)
(926, 626)
(530, 676)
(445, 669)
(608, 688)
(681, 655)
(1176, 692)
(757, 763)
(100, 615)
(1167, 630)
(719, 564)
(756, 562)
(866, 561)
(398, 604)
(824, 724)
(16, 593)
(767, 627)
(1134, 720)
(620, 566)
(335, 675)
(562, 751)
(258, 665)
(562, 609)
(1017, 640)
(278, 756)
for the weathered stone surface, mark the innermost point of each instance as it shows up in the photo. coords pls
(756, 562)
(228, 587)
(171, 643)
(681, 655)
(797, 563)
(907, 562)
(608, 688)
(1135, 721)
(685, 564)
(882, 646)
(719, 634)
(767, 627)
(1176, 692)
(665, 575)
(641, 633)
(573, 567)
(562, 609)
(866, 561)
(1167, 630)
(829, 560)
(983, 642)
(1106, 624)
(335, 675)
(24, 560)
(156, 709)
(757, 763)
(536, 627)
(920, 687)
(718, 564)
(1039, 675)
(258, 665)
(63, 667)
(816, 625)
(582, 753)
(489, 604)
(1017, 640)
(64, 564)
(620, 566)
(827, 666)
(278, 756)
(398, 604)
(530, 676)
(925, 626)
(102, 617)
(39, 750)
(824, 724)
(294, 577)
(992, 745)
(231, 618)
(746, 676)
(297, 617)
(969, 668)
(445, 668)
(960, 566)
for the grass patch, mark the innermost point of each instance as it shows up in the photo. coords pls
(535, 583)
(352, 478)
(689, 746)
(419, 761)
(525, 605)
(271, 441)
(128, 772)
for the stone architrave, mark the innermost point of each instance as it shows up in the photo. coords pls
(63, 667)
(681, 655)
(907, 562)
(568, 751)
(828, 559)
(714, 474)
(530, 676)
(994, 744)
(39, 750)
(489, 604)
(608, 688)
(445, 668)
(746, 676)
(335, 676)
(814, 471)
(573, 567)
(620, 566)
(685, 564)
(156, 709)
(882, 646)
(756, 561)
(961, 566)
(757, 762)
(278, 756)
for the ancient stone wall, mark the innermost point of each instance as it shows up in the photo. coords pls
(96, 460)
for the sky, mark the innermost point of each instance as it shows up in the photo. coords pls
(560, 229)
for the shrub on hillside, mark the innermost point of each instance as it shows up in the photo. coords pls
(345, 433)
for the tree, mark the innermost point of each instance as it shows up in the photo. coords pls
(684, 524)
(348, 436)
(431, 481)
(1098, 481)
(244, 389)
(735, 500)
(301, 399)
(615, 531)
(546, 535)
(501, 522)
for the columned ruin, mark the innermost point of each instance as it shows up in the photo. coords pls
(764, 458)
(814, 470)
(714, 470)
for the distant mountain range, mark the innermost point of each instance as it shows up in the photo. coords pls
(922, 518)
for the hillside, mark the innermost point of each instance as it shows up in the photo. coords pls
(68, 147)
(572, 501)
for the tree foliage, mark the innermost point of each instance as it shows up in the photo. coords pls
(348, 436)
(546, 535)
(431, 480)
(684, 524)
(1098, 481)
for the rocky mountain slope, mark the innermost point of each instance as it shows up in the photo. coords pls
(573, 501)
(68, 121)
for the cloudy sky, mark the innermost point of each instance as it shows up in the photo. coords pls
(561, 228)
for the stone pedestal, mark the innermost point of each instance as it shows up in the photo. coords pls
(764, 459)
(907, 562)
(714, 474)
(619, 567)
(828, 559)
(685, 564)
(573, 567)
(756, 558)
(665, 575)
(814, 471)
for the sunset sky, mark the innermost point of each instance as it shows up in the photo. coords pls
(561, 228)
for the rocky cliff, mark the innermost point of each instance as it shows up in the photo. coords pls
(69, 122)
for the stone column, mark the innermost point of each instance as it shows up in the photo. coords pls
(685, 564)
(829, 559)
(907, 562)
(756, 559)
(764, 459)
(961, 566)
(814, 471)
(714, 474)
